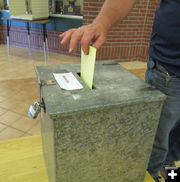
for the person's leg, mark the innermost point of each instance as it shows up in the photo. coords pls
(160, 147)
(173, 150)
(174, 145)
(169, 116)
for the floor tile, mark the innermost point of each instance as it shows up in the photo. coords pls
(2, 98)
(26, 135)
(21, 108)
(10, 133)
(139, 73)
(2, 126)
(9, 117)
(17, 84)
(24, 124)
(21, 62)
(134, 65)
(8, 104)
(36, 130)
(7, 92)
(2, 111)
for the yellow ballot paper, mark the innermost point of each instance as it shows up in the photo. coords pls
(87, 66)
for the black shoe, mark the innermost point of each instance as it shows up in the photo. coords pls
(157, 179)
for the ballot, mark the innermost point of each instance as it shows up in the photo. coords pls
(88, 66)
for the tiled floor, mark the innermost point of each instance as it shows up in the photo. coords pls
(18, 87)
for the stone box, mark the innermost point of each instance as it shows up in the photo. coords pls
(100, 135)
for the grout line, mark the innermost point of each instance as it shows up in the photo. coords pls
(15, 112)
(16, 129)
(4, 124)
(25, 133)
(3, 128)
(20, 129)
(33, 126)
(3, 112)
(12, 122)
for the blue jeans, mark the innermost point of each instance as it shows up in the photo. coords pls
(166, 147)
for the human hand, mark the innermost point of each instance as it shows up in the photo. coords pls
(93, 34)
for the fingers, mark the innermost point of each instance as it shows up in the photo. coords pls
(85, 34)
(62, 35)
(66, 36)
(99, 41)
(85, 41)
(76, 36)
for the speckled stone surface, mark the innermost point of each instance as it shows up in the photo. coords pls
(99, 135)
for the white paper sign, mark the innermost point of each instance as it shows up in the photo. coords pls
(67, 81)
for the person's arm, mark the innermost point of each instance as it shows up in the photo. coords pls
(96, 32)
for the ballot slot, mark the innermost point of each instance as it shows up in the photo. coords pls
(79, 74)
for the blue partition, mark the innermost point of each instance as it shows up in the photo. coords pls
(57, 23)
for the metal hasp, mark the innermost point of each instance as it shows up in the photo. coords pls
(100, 135)
(35, 108)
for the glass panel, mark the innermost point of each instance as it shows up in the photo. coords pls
(4, 4)
(67, 7)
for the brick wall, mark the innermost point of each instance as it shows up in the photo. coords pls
(127, 41)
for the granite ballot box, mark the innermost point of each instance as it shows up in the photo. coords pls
(104, 134)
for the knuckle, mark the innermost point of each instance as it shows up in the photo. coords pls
(76, 33)
(84, 42)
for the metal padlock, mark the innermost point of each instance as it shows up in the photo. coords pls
(34, 110)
